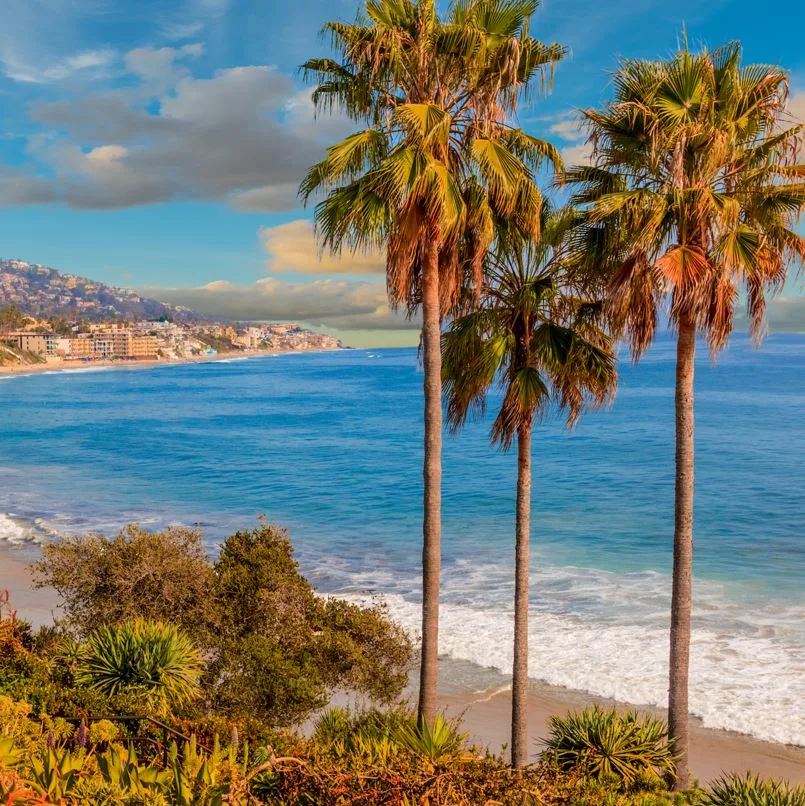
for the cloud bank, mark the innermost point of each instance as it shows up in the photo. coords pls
(244, 135)
(337, 304)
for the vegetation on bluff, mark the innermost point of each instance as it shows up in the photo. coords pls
(218, 703)
(273, 650)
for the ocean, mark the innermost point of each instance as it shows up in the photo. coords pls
(329, 445)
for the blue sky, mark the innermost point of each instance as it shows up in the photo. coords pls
(158, 143)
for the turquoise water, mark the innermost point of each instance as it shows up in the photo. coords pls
(329, 444)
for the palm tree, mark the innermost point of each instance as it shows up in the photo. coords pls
(541, 340)
(436, 164)
(150, 657)
(692, 196)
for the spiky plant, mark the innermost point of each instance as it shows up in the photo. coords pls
(602, 743)
(438, 743)
(155, 658)
(691, 202)
(439, 160)
(750, 790)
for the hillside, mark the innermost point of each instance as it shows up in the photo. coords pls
(45, 293)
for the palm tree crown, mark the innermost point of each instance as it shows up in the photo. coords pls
(694, 191)
(536, 333)
(440, 158)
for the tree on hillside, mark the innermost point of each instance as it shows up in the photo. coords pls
(438, 162)
(691, 201)
(536, 335)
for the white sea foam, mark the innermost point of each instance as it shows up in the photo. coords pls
(747, 670)
(15, 531)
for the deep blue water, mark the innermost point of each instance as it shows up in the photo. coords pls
(329, 444)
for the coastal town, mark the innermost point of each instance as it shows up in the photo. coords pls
(50, 318)
(44, 341)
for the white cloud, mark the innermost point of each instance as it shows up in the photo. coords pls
(330, 303)
(568, 129)
(91, 63)
(579, 154)
(292, 247)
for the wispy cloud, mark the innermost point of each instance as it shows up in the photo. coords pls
(244, 136)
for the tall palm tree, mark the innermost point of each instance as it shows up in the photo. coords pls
(438, 161)
(538, 337)
(692, 197)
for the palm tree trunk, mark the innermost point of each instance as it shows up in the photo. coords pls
(432, 472)
(521, 569)
(683, 552)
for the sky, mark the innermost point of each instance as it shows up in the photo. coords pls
(159, 144)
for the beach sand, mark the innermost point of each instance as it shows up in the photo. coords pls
(486, 717)
(486, 714)
(60, 365)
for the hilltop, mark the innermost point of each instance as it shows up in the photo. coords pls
(44, 292)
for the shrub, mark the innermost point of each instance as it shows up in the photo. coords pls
(749, 790)
(155, 659)
(274, 650)
(161, 576)
(630, 748)
(281, 649)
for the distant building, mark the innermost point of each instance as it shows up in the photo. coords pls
(37, 343)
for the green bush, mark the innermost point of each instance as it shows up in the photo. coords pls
(629, 748)
(749, 790)
(161, 576)
(274, 650)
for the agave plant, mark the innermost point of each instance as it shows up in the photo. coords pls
(603, 743)
(55, 774)
(122, 771)
(749, 790)
(156, 658)
(438, 743)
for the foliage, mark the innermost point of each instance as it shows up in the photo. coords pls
(154, 659)
(601, 744)
(281, 648)
(535, 331)
(694, 192)
(441, 157)
(12, 318)
(161, 576)
(749, 790)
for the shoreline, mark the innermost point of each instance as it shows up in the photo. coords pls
(485, 713)
(60, 365)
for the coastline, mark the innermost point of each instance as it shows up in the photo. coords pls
(60, 365)
(486, 713)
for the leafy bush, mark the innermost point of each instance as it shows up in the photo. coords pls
(630, 748)
(161, 576)
(749, 790)
(281, 649)
(153, 659)
(274, 649)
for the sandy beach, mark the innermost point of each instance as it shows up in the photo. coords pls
(486, 713)
(60, 365)
(712, 752)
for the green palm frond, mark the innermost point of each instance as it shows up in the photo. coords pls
(439, 158)
(694, 187)
(535, 333)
